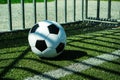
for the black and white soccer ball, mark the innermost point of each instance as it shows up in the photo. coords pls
(47, 39)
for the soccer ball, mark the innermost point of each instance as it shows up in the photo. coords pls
(47, 39)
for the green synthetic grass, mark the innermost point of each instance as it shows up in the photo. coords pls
(18, 1)
(106, 71)
(17, 61)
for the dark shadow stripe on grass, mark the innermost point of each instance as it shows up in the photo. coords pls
(11, 65)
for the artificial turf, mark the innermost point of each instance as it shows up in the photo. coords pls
(18, 62)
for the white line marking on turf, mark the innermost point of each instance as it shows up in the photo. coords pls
(77, 67)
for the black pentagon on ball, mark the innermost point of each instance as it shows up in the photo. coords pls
(41, 45)
(53, 29)
(60, 47)
(34, 28)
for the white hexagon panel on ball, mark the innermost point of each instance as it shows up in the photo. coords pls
(47, 39)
